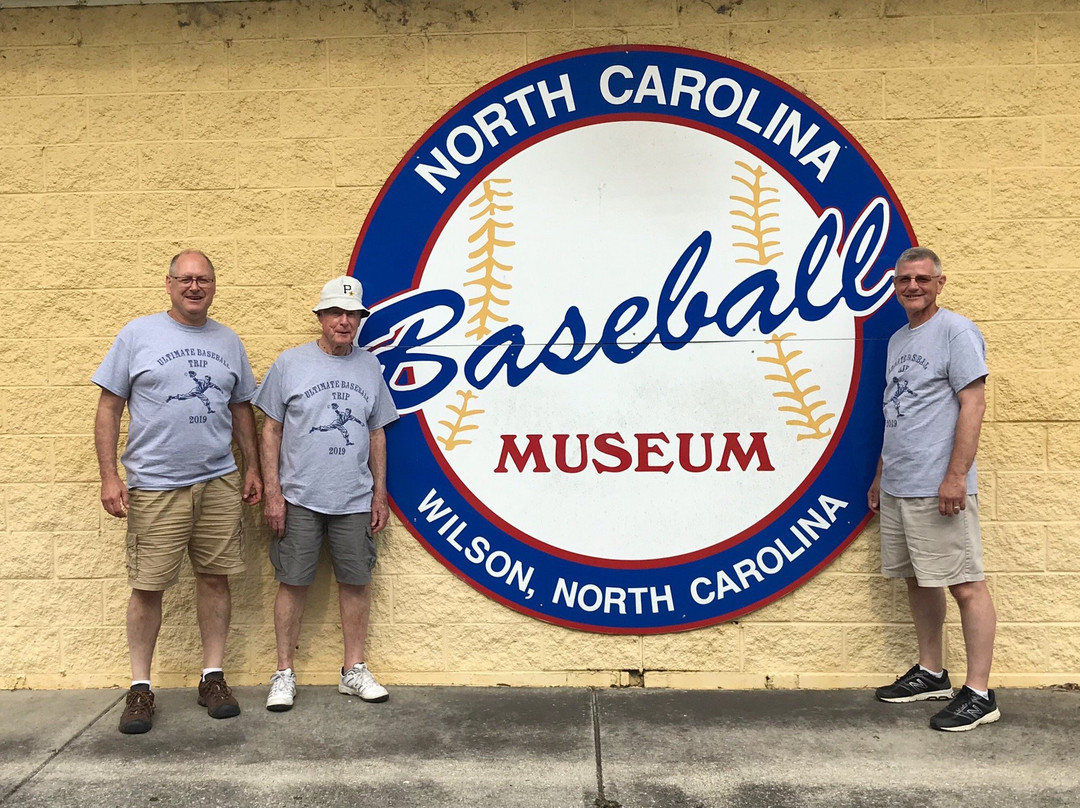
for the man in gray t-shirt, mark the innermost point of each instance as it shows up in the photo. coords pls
(187, 385)
(925, 491)
(324, 470)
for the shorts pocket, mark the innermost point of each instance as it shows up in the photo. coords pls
(372, 552)
(238, 539)
(132, 542)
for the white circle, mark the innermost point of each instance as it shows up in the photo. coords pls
(626, 201)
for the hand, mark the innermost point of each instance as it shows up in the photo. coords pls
(380, 512)
(274, 511)
(114, 496)
(253, 487)
(952, 496)
(873, 496)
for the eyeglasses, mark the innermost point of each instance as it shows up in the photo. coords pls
(922, 280)
(188, 280)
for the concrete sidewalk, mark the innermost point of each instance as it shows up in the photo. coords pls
(503, 747)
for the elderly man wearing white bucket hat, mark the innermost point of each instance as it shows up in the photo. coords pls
(324, 476)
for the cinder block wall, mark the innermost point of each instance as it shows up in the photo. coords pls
(261, 132)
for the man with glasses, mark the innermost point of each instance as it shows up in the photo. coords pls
(316, 485)
(183, 490)
(925, 491)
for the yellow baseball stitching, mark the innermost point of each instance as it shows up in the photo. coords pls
(458, 426)
(487, 281)
(800, 396)
(762, 246)
(492, 201)
(760, 243)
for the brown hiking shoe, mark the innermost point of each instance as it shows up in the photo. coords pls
(217, 697)
(138, 712)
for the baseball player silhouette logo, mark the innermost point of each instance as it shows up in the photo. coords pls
(201, 386)
(341, 418)
(901, 389)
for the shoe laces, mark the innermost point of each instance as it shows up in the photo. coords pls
(914, 673)
(359, 677)
(281, 682)
(140, 701)
(967, 701)
(216, 688)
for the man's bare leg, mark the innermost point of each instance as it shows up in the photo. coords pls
(354, 603)
(288, 612)
(214, 604)
(928, 613)
(979, 621)
(143, 625)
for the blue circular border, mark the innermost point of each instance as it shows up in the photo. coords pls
(393, 244)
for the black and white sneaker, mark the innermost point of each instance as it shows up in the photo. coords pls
(967, 711)
(917, 685)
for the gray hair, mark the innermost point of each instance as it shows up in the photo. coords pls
(200, 253)
(920, 254)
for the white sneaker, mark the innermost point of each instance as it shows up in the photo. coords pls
(282, 691)
(358, 681)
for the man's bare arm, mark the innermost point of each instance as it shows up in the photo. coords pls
(270, 451)
(873, 496)
(952, 494)
(243, 432)
(114, 494)
(380, 509)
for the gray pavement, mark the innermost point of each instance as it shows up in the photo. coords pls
(507, 747)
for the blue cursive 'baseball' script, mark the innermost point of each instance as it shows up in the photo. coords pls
(404, 328)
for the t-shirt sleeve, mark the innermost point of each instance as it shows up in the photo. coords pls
(384, 412)
(967, 358)
(114, 372)
(245, 387)
(269, 397)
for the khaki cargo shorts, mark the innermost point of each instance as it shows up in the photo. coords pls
(918, 542)
(202, 519)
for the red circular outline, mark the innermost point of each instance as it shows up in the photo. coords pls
(896, 208)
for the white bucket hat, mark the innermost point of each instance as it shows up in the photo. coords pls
(342, 293)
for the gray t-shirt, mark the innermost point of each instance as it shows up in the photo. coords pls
(178, 381)
(327, 405)
(927, 366)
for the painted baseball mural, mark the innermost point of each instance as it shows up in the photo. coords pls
(625, 303)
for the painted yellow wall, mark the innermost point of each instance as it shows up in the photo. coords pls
(261, 133)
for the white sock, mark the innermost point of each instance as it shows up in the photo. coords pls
(984, 693)
(141, 682)
(285, 670)
(935, 674)
(210, 670)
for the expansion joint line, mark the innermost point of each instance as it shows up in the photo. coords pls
(5, 797)
(601, 801)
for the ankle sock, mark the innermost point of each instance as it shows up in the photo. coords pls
(212, 673)
(984, 693)
(935, 674)
(141, 684)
